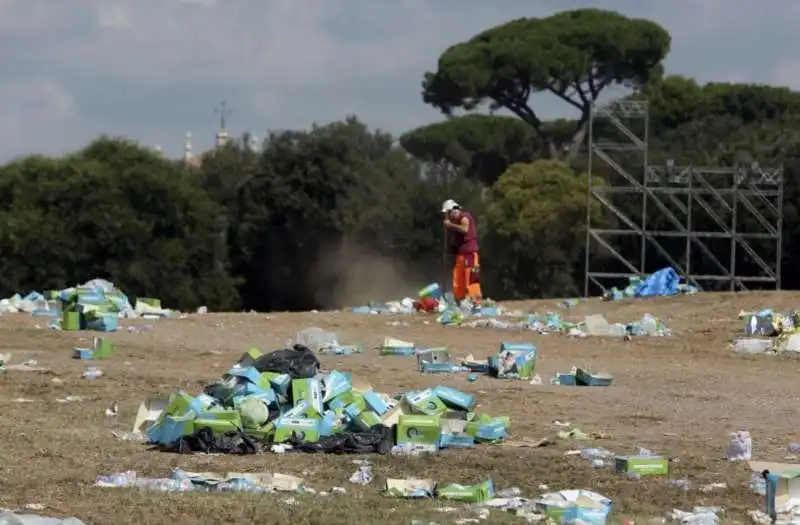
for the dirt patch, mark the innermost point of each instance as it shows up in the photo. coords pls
(679, 396)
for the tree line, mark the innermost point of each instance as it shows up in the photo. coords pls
(340, 212)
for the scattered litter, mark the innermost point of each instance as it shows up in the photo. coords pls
(581, 377)
(698, 516)
(182, 481)
(363, 475)
(92, 372)
(70, 399)
(740, 447)
(11, 518)
(101, 349)
(113, 409)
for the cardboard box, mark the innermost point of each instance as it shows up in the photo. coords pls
(103, 348)
(249, 357)
(169, 429)
(302, 410)
(309, 390)
(642, 465)
(783, 488)
(410, 488)
(454, 398)
(149, 411)
(468, 493)
(220, 422)
(425, 402)
(418, 429)
(331, 423)
(306, 430)
(456, 441)
(335, 384)
(585, 378)
(575, 506)
(279, 382)
(70, 321)
(392, 417)
(514, 361)
(375, 402)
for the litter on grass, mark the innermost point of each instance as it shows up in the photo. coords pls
(282, 402)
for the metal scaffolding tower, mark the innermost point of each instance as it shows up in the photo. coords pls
(677, 194)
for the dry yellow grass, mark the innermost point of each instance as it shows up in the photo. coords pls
(679, 396)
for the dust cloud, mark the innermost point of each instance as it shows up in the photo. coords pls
(350, 275)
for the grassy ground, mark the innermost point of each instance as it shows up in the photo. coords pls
(678, 396)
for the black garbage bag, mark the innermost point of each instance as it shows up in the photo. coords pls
(378, 439)
(299, 362)
(205, 441)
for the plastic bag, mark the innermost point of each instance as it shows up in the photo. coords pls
(299, 362)
(377, 439)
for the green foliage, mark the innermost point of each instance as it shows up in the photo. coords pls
(291, 225)
(574, 55)
(113, 210)
(536, 218)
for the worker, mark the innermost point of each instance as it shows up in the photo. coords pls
(460, 228)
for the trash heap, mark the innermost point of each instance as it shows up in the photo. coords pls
(665, 282)
(769, 332)
(94, 305)
(282, 401)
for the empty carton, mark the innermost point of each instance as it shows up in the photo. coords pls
(410, 488)
(469, 493)
(309, 390)
(425, 402)
(335, 384)
(514, 361)
(393, 346)
(306, 430)
(454, 398)
(418, 429)
(585, 378)
(642, 465)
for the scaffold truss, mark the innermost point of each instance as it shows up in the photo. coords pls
(689, 217)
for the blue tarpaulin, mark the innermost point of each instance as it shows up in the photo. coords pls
(662, 283)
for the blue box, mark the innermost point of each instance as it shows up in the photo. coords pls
(454, 398)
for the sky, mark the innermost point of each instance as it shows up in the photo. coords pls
(151, 70)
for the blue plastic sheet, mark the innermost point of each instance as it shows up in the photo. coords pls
(662, 283)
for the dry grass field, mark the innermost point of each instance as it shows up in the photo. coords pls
(679, 396)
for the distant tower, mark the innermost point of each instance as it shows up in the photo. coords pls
(254, 146)
(222, 137)
(187, 147)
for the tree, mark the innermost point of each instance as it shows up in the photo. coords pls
(536, 219)
(112, 210)
(574, 55)
(483, 146)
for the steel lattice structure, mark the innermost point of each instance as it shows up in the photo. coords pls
(676, 193)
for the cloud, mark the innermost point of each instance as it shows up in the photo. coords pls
(154, 69)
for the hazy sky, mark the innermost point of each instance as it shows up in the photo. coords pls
(154, 69)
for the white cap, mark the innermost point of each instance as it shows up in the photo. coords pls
(449, 205)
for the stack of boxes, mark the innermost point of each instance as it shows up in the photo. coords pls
(274, 408)
(90, 308)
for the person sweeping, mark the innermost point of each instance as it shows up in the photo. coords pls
(461, 230)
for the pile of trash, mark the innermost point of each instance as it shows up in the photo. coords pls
(282, 401)
(94, 305)
(769, 332)
(665, 282)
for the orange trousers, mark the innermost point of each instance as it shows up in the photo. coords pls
(466, 277)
